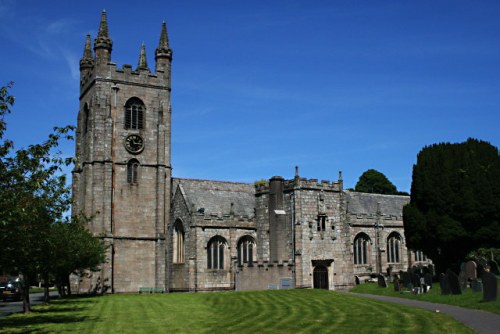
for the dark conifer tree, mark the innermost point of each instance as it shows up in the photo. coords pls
(455, 201)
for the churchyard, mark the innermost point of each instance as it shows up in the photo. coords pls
(476, 286)
(279, 311)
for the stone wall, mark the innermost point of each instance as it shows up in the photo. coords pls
(262, 275)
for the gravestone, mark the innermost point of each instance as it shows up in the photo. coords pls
(462, 279)
(415, 278)
(476, 285)
(428, 280)
(454, 282)
(494, 267)
(389, 271)
(482, 264)
(445, 285)
(397, 283)
(430, 267)
(470, 270)
(407, 280)
(490, 288)
(356, 279)
(381, 281)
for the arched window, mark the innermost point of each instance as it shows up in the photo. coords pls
(85, 121)
(361, 248)
(246, 247)
(178, 242)
(133, 171)
(420, 256)
(134, 114)
(394, 248)
(215, 253)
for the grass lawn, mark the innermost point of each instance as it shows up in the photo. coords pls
(285, 311)
(468, 299)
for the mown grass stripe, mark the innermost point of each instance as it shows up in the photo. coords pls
(291, 311)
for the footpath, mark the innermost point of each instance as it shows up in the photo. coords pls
(481, 321)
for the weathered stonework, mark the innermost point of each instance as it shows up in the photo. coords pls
(178, 234)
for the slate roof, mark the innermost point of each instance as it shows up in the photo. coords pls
(363, 203)
(215, 197)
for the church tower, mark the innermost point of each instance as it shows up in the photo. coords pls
(122, 176)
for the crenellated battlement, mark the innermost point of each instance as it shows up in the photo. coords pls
(298, 183)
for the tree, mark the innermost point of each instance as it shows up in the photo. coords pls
(75, 249)
(34, 195)
(455, 201)
(372, 181)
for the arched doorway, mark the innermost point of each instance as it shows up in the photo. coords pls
(320, 276)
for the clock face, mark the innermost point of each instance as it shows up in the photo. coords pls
(134, 144)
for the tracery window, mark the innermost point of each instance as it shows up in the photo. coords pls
(178, 242)
(134, 114)
(361, 248)
(215, 253)
(394, 248)
(420, 256)
(246, 247)
(133, 171)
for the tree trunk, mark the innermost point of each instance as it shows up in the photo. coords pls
(46, 297)
(25, 292)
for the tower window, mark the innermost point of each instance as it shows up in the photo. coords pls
(134, 114)
(321, 223)
(133, 171)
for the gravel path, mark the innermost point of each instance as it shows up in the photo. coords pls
(481, 321)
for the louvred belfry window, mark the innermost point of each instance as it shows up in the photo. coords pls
(134, 114)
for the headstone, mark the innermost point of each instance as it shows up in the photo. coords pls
(415, 278)
(453, 282)
(476, 285)
(389, 271)
(397, 286)
(462, 279)
(406, 280)
(445, 285)
(482, 264)
(430, 267)
(428, 279)
(356, 279)
(381, 281)
(470, 270)
(490, 287)
(494, 267)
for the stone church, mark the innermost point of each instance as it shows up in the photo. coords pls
(177, 234)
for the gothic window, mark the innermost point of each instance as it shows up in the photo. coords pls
(215, 253)
(420, 256)
(246, 247)
(321, 223)
(85, 121)
(394, 248)
(133, 171)
(361, 248)
(134, 114)
(178, 242)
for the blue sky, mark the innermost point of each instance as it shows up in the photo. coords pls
(261, 86)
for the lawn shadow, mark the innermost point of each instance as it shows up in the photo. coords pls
(39, 322)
